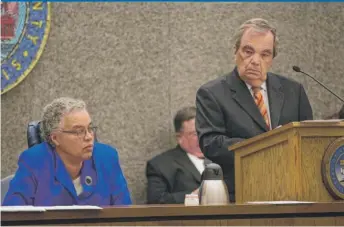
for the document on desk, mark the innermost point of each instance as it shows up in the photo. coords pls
(46, 208)
(74, 207)
(278, 202)
(21, 209)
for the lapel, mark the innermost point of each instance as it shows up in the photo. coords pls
(87, 171)
(88, 178)
(183, 160)
(243, 97)
(62, 176)
(276, 99)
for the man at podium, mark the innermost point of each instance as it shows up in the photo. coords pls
(249, 100)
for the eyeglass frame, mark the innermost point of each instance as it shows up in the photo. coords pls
(92, 130)
(193, 133)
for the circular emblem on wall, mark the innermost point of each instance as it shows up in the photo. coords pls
(333, 168)
(24, 31)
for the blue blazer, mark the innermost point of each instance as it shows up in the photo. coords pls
(42, 179)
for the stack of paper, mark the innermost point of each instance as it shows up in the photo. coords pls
(278, 202)
(46, 208)
(74, 207)
(21, 209)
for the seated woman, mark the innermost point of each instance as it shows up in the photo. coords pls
(69, 168)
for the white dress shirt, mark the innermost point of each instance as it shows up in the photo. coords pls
(265, 98)
(78, 186)
(198, 162)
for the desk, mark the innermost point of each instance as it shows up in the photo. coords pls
(263, 214)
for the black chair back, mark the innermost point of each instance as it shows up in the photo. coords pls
(5, 184)
(34, 134)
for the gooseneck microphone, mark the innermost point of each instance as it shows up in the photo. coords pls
(297, 69)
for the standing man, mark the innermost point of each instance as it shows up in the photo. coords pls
(249, 100)
(177, 172)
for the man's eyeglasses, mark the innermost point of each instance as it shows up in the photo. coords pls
(81, 133)
(190, 133)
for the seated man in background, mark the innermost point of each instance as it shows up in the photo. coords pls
(177, 172)
(69, 168)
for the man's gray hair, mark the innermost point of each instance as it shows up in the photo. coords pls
(53, 113)
(259, 25)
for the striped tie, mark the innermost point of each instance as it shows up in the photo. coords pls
(258, 99)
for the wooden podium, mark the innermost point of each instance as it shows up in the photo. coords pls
(285, 163)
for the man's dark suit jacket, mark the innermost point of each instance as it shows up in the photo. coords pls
(341, 113)
(226, 114)
(170, 176)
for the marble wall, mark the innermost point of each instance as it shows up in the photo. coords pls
(136, 64)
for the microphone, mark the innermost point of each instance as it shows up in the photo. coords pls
(297, 69)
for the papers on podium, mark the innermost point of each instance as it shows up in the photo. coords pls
(324, 121)
(21, 209)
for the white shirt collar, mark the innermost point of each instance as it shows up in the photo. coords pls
(193, 156)
(198, 162)
(263, 86)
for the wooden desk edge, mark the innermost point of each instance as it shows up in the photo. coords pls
(142, 211)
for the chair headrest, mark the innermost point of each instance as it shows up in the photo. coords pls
(34, 133)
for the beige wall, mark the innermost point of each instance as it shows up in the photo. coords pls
(135, 64)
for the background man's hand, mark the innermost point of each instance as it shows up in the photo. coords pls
(195, 191)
